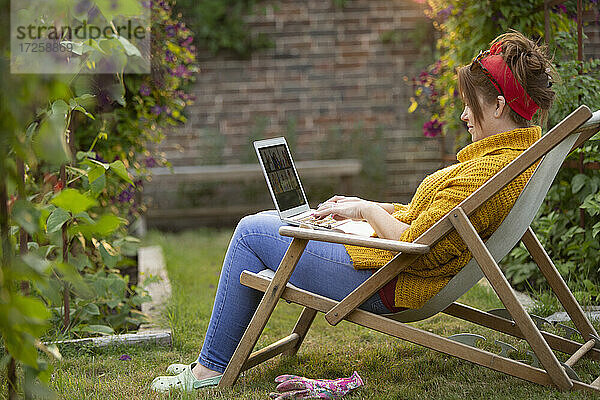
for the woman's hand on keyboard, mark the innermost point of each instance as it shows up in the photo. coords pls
(341, 207)
(341, 199)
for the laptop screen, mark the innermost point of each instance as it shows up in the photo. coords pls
(282, 177)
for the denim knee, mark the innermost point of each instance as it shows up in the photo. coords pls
(245, 223)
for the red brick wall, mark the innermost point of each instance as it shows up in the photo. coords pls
(328, 70)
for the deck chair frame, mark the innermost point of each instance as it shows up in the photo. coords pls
(519, 324)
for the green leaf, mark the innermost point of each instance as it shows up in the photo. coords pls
(31, 131)
(75, 47)
(90, 45)
(112, 303)
(119, 168)
(50, 142)
(83, 216)
(92, 309)
(50, 290)
(109, 256)
(95, 173)
(80, 261)
(23, 319)
(93, 163)
(56, 220)
(105, 226)
(85, 154)
(20, 271)
(17, 346)
(73, 201)
(98, 186)
(26, 215)
(70, 274)
(39, 265)
(85, 96)
(130, 49)
(116, 92)
(84, 111)
(101, 329)
(578, 182)
(596, 229)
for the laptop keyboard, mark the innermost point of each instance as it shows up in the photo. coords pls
(326, 222)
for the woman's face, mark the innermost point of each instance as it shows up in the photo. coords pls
(479, 129)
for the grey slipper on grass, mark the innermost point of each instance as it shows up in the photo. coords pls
(185, 380)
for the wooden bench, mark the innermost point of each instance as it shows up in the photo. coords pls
(343, 169)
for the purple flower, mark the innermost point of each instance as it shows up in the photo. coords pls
(144, 90)
(156, 110)
(187, 41)
(445, 13)
(82, 6)
(170, 30)
(180, 71)
(126, 195)
(150, 162)
(432, 128)
(93, 13)
(561, 8)
(125, 357)
(169, 56)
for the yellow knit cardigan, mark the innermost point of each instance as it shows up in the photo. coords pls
(439, 193)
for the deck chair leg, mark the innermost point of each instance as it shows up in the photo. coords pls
(498, 281)
(558, 285)
(302, 326)
(263, 312)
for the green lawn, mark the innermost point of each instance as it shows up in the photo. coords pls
(392, 369)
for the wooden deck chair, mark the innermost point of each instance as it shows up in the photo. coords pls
(552, 148)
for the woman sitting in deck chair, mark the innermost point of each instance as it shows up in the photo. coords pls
(502, 89)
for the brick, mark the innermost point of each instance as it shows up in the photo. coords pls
(328, 69)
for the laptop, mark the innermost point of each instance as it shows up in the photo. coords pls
(287, 192)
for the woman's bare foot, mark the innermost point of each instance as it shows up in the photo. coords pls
(201, 372)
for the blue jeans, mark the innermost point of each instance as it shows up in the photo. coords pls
(323, 268)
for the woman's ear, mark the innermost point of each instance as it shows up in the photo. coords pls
(500, 103)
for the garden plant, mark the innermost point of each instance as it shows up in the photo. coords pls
(74, 150)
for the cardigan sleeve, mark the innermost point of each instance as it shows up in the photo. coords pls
(451, 195)
(400, 207)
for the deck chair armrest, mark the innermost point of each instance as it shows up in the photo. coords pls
(355, 240)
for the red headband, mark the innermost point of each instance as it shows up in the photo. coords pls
(505, 82)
